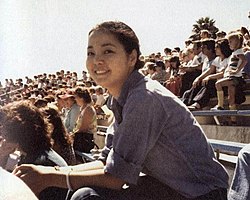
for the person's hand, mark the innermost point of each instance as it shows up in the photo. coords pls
(36, 177)
(205, 81)
(232, 72)
(171, 78)
(196, 82)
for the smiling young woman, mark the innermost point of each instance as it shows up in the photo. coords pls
(110, 58)
(153, 133)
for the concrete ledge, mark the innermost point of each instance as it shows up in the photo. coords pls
(228, 133)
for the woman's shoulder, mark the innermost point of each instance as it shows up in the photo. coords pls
(148, 92)
(89, 110)
(216, 61)
(50, 158)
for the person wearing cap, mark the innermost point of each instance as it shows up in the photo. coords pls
(72, 111)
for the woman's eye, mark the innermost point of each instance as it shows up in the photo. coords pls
(108, 51)
(90, 53)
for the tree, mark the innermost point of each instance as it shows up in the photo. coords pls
(205, 23)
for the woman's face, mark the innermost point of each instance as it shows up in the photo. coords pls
(107, 61)
(218, 50)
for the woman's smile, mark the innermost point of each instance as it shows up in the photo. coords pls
(102, 72)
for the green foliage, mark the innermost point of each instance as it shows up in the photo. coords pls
(205, 23)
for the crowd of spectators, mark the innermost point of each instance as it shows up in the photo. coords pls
(177, 70)
(190, 73)
(181, 71)
(45, 120)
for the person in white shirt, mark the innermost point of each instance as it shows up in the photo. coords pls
(233, 74)
(193, 69)
(189, 97)
(100, 97)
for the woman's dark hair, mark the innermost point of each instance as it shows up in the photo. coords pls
(59, 133)
(40, 103)
(125, 35)
(224, 47)
(25, 124)
(84, 94)
(151, 66)
(160, 64)
(61, 139)
(175, 59)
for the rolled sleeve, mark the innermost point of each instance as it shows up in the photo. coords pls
(119, 167)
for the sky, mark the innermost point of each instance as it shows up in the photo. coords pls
(44, 36)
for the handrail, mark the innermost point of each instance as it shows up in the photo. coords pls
(221, 113)
(226, 147)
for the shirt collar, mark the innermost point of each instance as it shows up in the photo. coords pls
(130, 83)
(117, 105)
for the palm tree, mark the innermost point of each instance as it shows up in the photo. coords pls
(205, 23)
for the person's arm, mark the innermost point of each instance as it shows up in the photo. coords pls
(196, 67)
(204, 74)
(40, 177)
(84, 167)
(212, 77)
(240, 67)
(196, 64)
(192, 67)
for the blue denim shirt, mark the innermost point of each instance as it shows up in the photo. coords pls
(240, 189)
(155, 133)
(71, 117)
